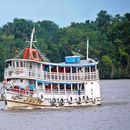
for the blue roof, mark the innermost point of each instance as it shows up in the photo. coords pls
(82, 63)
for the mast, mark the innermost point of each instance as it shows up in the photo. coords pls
(87, 48)
(32, 35)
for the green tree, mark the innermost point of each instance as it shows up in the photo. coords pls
(103, 21)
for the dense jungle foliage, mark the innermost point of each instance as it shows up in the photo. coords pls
(109, 38)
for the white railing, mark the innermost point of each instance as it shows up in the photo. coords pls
(50, 76)
(63, 92)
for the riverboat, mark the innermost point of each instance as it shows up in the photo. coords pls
(32, 82)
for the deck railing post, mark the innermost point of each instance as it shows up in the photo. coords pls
(50, 72)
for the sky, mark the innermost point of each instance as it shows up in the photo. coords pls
(62, 12)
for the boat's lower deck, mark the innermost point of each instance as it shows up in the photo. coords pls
(41, 100)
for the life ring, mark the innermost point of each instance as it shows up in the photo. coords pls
(61, 102)
(41, 97)
(70, 99)
(31, 54)
(78, 99)
(34, 54)
(17, 72)
(21, 71)
(53, 101)
(86, 99)
(94, 100)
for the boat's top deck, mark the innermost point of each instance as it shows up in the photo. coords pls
(82, 63)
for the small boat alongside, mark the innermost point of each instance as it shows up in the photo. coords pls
(29, 81)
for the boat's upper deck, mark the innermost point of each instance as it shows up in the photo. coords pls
(52, 72)
(82, 63)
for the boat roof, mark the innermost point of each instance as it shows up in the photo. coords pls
(89, 62)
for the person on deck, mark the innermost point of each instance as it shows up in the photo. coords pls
(32, 88)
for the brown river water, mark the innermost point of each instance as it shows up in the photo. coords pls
(113, 114)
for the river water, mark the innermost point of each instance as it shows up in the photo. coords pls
(113, 114)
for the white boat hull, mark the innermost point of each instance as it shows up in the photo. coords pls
(14, 100)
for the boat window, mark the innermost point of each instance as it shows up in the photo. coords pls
(53, 69)
(61, 87)
(28, 65)
(82, 86)
(74, 86)
(17, 64)
(39, 85)
(87, 69)
(80, 70)
(13, 63)
(73, 70)
(48, 87)
(39, 66)
(68, 87)
(10, 64)
(43, 66)
(21, 64)
(61, 69)
(92, 68)
(46, 68)
(55, 87)
(67, 70)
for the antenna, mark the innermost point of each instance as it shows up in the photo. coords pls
(87, 48)
(32, 34)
